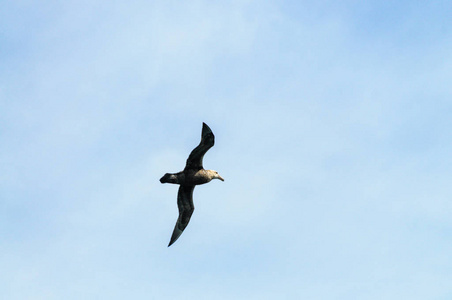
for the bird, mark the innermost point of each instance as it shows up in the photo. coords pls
(192, 175)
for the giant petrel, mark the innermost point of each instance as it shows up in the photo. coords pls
(193, 174)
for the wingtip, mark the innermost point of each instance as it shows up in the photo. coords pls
(176, 234)
(172, 241)
(206, 129)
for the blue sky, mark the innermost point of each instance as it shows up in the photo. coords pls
(332, 124)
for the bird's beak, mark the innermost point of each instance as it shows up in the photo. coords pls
(221, 178)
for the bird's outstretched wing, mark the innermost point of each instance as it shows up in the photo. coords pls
(194, 160)
(186, 208)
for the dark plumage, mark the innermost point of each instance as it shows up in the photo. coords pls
(193, 174)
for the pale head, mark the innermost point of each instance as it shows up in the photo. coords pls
(214, 175)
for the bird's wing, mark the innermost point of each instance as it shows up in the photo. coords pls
(194, 160)
(186, 208)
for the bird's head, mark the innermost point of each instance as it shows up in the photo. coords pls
(215, 175)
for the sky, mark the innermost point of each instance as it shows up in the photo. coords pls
(333, 133)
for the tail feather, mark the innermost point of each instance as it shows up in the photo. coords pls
(164, 179)
(169, 178)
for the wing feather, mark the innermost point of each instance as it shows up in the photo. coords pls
(186, 208)
(194, 160)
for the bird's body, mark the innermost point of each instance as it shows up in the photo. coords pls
(193, 174)
(189, 177)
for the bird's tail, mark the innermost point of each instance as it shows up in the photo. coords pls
(169, 178)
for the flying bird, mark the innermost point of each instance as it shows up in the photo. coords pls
(193, 174)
